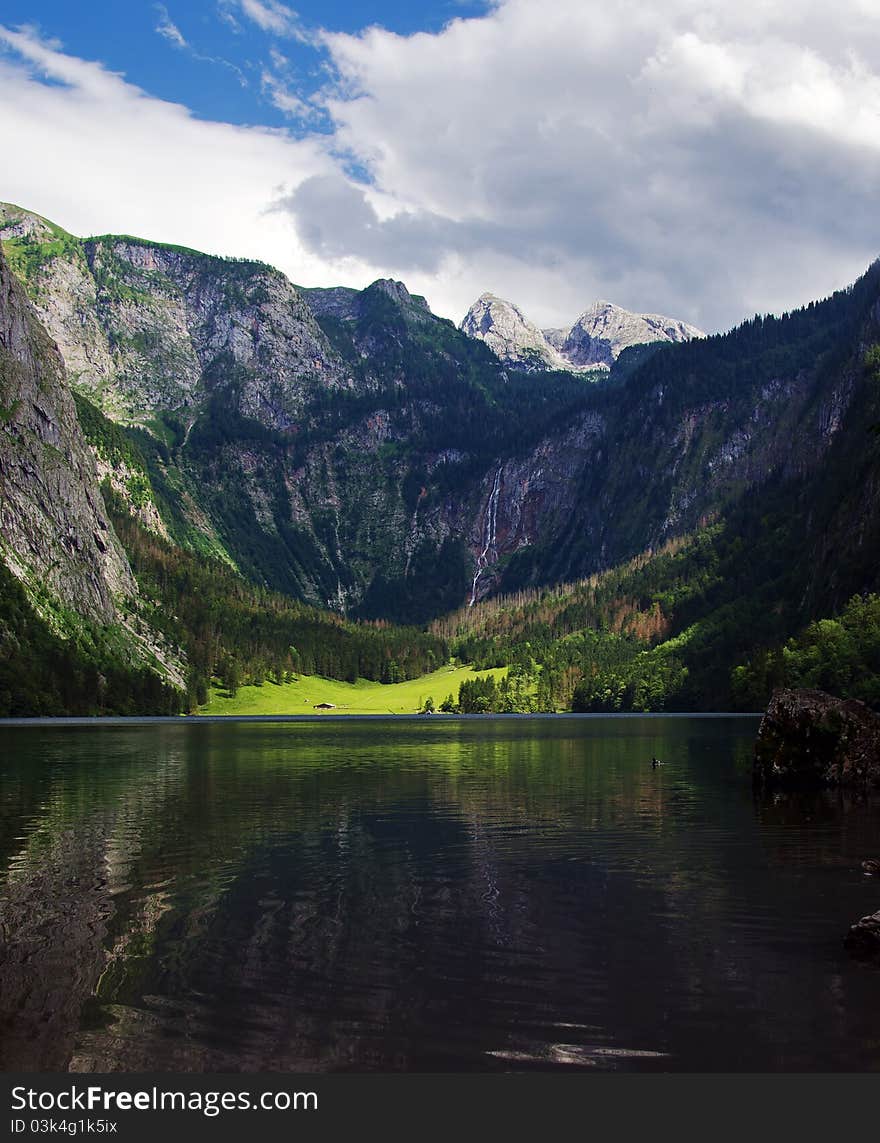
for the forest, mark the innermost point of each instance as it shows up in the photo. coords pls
(229, 630)
(241, 634)
(777, 584)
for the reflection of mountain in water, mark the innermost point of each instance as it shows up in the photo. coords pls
(464, 895)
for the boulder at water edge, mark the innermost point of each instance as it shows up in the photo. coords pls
(863, 938)
(809, 738)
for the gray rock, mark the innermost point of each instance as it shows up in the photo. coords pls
(54, 531)
(593, 343)
(509, 334)
(147, 329)
(863, 938)
(603, 331)
(809, 738)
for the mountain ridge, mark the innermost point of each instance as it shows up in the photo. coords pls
(371, 482)
(593, 342)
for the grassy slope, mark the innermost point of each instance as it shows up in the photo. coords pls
(362, 697)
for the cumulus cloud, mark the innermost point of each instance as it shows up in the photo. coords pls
(694, 157)
(98, 155)
(691, 156)
(337, 218)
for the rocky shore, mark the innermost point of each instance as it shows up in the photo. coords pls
(809, 738)
(863, 938)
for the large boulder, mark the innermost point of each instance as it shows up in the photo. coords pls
(863, 938)
(809, 738)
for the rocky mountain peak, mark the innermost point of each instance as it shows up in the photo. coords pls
(604, 330)
(594, 342)
(509, 333)
(149, 330)
(398, 292)
(16, 222)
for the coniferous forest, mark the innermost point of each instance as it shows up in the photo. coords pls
(713, 531)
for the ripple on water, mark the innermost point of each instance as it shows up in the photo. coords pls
(466, 896)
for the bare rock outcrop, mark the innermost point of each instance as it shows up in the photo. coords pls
(809, 738)
(863, 938)
(602, 332)
(593, 343)
(509, 333)
(147, 329)
(54, 531)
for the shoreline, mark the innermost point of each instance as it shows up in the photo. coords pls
(203, 719)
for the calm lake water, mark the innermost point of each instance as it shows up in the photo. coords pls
(472, 895)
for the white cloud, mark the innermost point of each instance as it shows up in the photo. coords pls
(278, 85)
(168, 29)
(283, 97)
(692, 156)
(98, 155)
(270, 15)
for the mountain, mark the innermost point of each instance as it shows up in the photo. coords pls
(100, 612)
(326, 443)
(603, 331)
(776, 586)
(341, 446)
(75, 635)
(354, 451)
(144, 328)
(510, 335)
(55, 534)
(592, 344)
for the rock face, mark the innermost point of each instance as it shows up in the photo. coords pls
(348, 305)
(594, 342)
(863, 938)
(509, 334)
(54, 532)
(354, 450)
(148, 330)
(603, 331)
(808, 738)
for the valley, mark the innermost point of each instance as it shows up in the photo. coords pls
(307, 692)
(215, 480)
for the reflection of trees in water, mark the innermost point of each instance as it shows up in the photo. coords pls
(54, 920)
(837, 827)
(61, 923)
(264, 899)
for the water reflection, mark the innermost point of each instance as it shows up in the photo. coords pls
(479, 895)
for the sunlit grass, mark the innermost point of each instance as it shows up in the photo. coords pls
(362, 697)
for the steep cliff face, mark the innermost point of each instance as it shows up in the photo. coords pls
(353, 449)
(54, 532)
(603, 331)
(509, 333)
(765, 415)
(592, 344)
(150, 332)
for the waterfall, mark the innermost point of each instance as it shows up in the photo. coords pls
(490, 521)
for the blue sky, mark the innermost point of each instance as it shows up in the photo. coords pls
(218, 75)
(694, 158)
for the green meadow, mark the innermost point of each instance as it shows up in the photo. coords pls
(362, 697)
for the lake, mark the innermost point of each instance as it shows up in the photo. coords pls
(426, 895)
